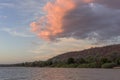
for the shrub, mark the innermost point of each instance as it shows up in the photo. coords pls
(93, 65)
(104, 60)
(108, 65)
(81, 61)
(83, 66)
(117, 61)
(89, 65)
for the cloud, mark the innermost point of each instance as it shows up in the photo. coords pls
(55, 12)
(32, 7)
(109, 3)
(46, 50)
(4, 5)
(77, 24)
(80, 19)
(3, 17)
(16, 33)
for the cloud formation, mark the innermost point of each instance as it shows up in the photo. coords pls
(80, 19)
(3, 17)
(3, 5)
(53, 20)
(14, 32)
(110, 3)
(46, 50)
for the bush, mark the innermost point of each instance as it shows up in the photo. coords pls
(72, 65)
(93, 65)
(81, 61)
(83, 66)
(58, 65)
(104, 60)
(89, 65)
(117, 61)
(108, 65)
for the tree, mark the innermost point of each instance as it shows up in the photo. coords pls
(104, 60)
(117, 61)
(81, 60)
(70, 61)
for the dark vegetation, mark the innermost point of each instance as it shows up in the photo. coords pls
(100, 57)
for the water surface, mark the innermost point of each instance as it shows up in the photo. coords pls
(58, 74)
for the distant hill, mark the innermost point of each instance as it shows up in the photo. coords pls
(99, 57)
(110, 52)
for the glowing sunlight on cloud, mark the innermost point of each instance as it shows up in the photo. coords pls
(71, 25)
(54, 18)
(78, 18)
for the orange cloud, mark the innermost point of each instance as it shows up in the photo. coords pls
(54, 19)
(79, 19)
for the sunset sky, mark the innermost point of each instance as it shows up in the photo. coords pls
(39, 29)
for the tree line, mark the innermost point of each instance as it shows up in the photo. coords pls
(89, 62)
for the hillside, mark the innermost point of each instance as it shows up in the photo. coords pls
(99, 57)
(110, 52)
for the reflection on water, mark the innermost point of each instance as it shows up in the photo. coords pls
(58, 74)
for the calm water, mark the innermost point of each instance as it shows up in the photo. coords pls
(58, 74)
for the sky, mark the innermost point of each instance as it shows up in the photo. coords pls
(40, 29)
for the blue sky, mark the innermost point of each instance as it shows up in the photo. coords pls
(17, 42)
(15, 36)
(89, 24)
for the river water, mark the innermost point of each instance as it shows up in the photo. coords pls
(16, 73)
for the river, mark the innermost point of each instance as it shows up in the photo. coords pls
(16, 73)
